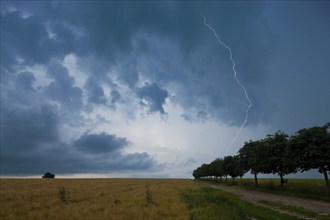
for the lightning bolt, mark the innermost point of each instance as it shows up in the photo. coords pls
(236, 78)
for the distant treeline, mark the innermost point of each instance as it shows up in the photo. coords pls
(307, 149)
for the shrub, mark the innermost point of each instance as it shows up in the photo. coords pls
(63, 194)
(48, 175)
(148, 195)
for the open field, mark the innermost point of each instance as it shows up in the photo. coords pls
(122, 199)
(93, 199)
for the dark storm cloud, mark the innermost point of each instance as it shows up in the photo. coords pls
(300, 72)
(61, 161)
(154, 96)
(100, 143)
(25, 80)
(20, 91)
(35, 45)
(135, 161)
(200, 67)
(128, 73)
(22, 45)
(63, 89)
(200, 116)
(109, 31)
(115, 96)
(30, 144)
(106, 27)
(27, 129)
(95, 92)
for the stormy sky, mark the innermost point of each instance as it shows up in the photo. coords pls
(144, 89)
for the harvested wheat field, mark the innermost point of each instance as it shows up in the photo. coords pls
(94, 198)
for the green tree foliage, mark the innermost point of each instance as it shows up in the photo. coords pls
(309, 149)
(197, 173)
(233, 167)
(252, 158)
(202, 171)
(278, 160)
(216, 168)
(239, 166)
(229, 167)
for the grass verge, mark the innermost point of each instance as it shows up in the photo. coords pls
(208, 203)
(302, 188)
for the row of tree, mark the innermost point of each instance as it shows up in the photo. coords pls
(307, 149)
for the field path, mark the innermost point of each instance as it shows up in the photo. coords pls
(255, 197)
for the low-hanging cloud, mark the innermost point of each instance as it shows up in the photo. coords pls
(62, 89)
(100, 143)
(31, 141)
(154, 96)
(95, 92)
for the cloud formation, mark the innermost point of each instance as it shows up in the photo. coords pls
(62, 89)
(153, 97)
(100, 143)
(95, 92)
(80, 81)
(149, 41)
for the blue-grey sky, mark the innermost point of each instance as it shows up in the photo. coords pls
(144, 89)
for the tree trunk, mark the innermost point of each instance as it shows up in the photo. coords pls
(282, 180)
(327, 185)
(255, 180)
(233, 179)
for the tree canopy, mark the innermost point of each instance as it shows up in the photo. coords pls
(308, 148)
(48, 175)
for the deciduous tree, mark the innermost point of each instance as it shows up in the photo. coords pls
(279, 161)
(310, 149)
(252, 158)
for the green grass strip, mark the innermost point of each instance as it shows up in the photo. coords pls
(209, 203)
(303, 188)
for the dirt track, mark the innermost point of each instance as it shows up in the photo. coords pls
(255, 197)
